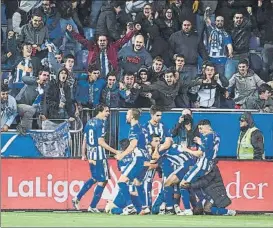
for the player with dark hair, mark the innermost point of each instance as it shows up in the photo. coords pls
(154, 126)
(175, 164)
(206, 154)
(94, 144)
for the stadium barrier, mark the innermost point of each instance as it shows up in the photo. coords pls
(225, 122)
(50, 184)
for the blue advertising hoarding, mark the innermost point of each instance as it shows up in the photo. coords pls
(226, 124)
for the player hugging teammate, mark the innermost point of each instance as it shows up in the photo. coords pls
(189, 173)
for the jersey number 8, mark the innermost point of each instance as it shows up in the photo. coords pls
(91, 137)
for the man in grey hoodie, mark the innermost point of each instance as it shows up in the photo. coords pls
(245, 82)
(35, 33)
(23, 14)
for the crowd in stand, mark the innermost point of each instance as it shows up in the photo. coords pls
(175, 54)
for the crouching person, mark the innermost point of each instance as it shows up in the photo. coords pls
(215, 198)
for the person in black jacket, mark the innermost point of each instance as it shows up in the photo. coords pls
(184, 130)
(251, 140)
(187, 42)
(216, 199)
(57, 103)
(107, 21)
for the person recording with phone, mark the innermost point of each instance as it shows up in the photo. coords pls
(184, 131)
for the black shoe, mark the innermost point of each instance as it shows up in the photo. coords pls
(169, 211)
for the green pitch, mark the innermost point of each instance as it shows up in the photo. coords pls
(68, 219)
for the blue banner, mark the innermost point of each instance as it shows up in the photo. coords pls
(53, 144)
(226, 124)
(37, 143)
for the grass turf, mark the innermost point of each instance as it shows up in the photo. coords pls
(63, 219)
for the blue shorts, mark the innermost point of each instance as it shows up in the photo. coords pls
(168, 168)
(100, 171)
(135, 169)
(194, 173)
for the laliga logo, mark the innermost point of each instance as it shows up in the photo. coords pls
(59, 190)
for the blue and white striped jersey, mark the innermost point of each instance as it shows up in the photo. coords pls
(159, 129)
(210, 146)
(95, 129)
(176, 157)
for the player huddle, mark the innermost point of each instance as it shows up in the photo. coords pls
(188, 172)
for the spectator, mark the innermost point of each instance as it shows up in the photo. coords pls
(132, 58)
(167, 24)
(164, 91)
(89, 88)
(106, 24)
(142, 79)
(11, 8)
(179, 67)
(51, 19)
(128, 86)
(261, 100)
(182, 10)
(106, 51)
(8, 108)
(29, 99)
(210, 88)
(226, 102)
(156, 71)
(219, 44)
(28, 66)
(187, 43)
(245, 83)
(95, 12)
(69, 61)
(154, 43)
(251, 140)
(57, 103)
(111, 94)
(134, 7)
(36, 34)
(203, 7)
(265, 18)
(22, 15)
(240, 34)
(69, 15)
(10, 52)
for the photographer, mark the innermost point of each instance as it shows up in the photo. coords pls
(184, 131)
